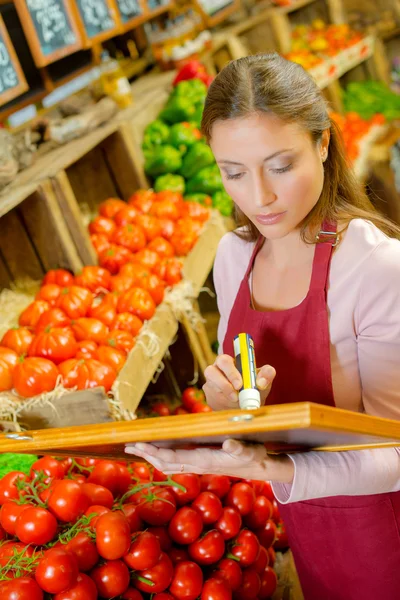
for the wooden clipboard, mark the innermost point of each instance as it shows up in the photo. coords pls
(286, 427)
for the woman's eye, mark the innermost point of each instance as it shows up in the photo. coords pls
(234, 176)
(282, 169)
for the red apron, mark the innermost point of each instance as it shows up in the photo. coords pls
(345, 547)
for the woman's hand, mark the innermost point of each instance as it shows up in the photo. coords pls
(223, 382)
(236, 459)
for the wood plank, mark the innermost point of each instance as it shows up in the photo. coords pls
(73, 218)
(17, 248)
(44, 221)
(283, 427)
(13, 196)
(5, 277)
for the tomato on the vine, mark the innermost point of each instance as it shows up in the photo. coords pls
(95, 511)
(216, 589)
(113, 535)
(208, 549)
(111, 578)
(85, 551)
(156, 505)
(98, 494)
(8, 487)
(209, 506)
(49, 466)
(185, 526)
(242, 497)
(21, 588)
(191, 483)
(8, 550)
(262, 560)
(187, 581)
(250, 587)
(156, 579)
(217, 484)
(281, 541)
(67, 501)
(246, 548)
(9, 513)
(36, 526)
(260, 513)
(268, 584)
(229, 570)
(191, 396)
(163, 537)
(229, 523)
(267, 534)
(144, 552)
(84, 589)
(106, 473)
(57, 571)
(133, 594)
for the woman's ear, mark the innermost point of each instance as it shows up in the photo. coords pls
(324, 144)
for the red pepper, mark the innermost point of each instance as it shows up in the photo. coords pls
(193, 69)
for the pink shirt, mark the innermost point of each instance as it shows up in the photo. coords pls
(364, 323)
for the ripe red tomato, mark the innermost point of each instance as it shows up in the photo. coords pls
(113, 535)
(100, 242)
(178, 555)
(142, 200)
(8, 488)
(110, 207)
(75, 301)
(201, 407)
(162, 246)
(208, 549)
(174, 197)
(209, 506)
(36, 526)
(33, 376)
(272, 556)
(67, 501)
(155, 287)
(90, 329)
(183, 243)
(268, 584)
(120, 340)
(98, 495)
(242, 497)
(262, 560)
(276, 517)
(114, 257)
(167, 228)
(144, 552)
(121, 283)
(147, 258)
(31, 315)
(194, 210)
(8, 357)
(57, 571)
(52, 467)
(53, 318)
(111, 578)
(107, 474)
(131, 512)
(130, 236)
(84, 589)
(282, 541)
(138, 302)
(173, 271)
(181, 411)
(50, 293)
(185, 526)
(17, 339)
(267, 535)
(159, 577)
(246, 548)
(161, 409)
(128, 322)
(95, 279)
(251, 585)
(150, 225)
(9, 513)
(85, 551)
(59, 277)
(229, 523)
(162, 535)
(127, 214)
(95, 511)
(3, 534)
(156, 506)
(216, 589)
(21, 588)
(165, 210)
(217, 484)
(6, 380)
(230, 571)
(111, 356)
(102, 225)
(103, 312)
(86, 349)
(87, 374)
(7, 555)
(56, 345)
(191, 396)
(187, 581)
(132, 594)
(192, 486)
(260, 513)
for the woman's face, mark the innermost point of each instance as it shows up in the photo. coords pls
(272, 170)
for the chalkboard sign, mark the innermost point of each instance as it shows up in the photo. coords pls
(99, 18)
(50, 28)
(12, 79)
(129, 10)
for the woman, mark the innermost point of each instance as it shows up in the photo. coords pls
(314, 277)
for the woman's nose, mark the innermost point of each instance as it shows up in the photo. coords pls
(263, 194)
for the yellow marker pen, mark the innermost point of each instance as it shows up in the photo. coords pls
(249, 396)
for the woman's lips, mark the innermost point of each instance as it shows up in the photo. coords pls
(270, 219)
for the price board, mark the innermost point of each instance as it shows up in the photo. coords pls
(215, 11)
(99, 19)
(130, 10)
(12, 79)
(50, 28)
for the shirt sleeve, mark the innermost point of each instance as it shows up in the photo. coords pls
(377, 326)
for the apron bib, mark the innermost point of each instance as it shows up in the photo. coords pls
(344, 547)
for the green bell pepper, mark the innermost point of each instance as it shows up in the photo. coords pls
(198, 157)
(162, 160)
(183, 135)
(223, 202)
(175, 183)
(155, 134)
(206, 181)
(194, 89)
(198, 115)
(203, 199)
(178, 109)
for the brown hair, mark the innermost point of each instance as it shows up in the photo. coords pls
(268, 83)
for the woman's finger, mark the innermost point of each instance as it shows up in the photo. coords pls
(265, 377)
(226, 364)
(218, 379)
(216, 396)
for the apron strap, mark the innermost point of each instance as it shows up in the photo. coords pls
(326, 240)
